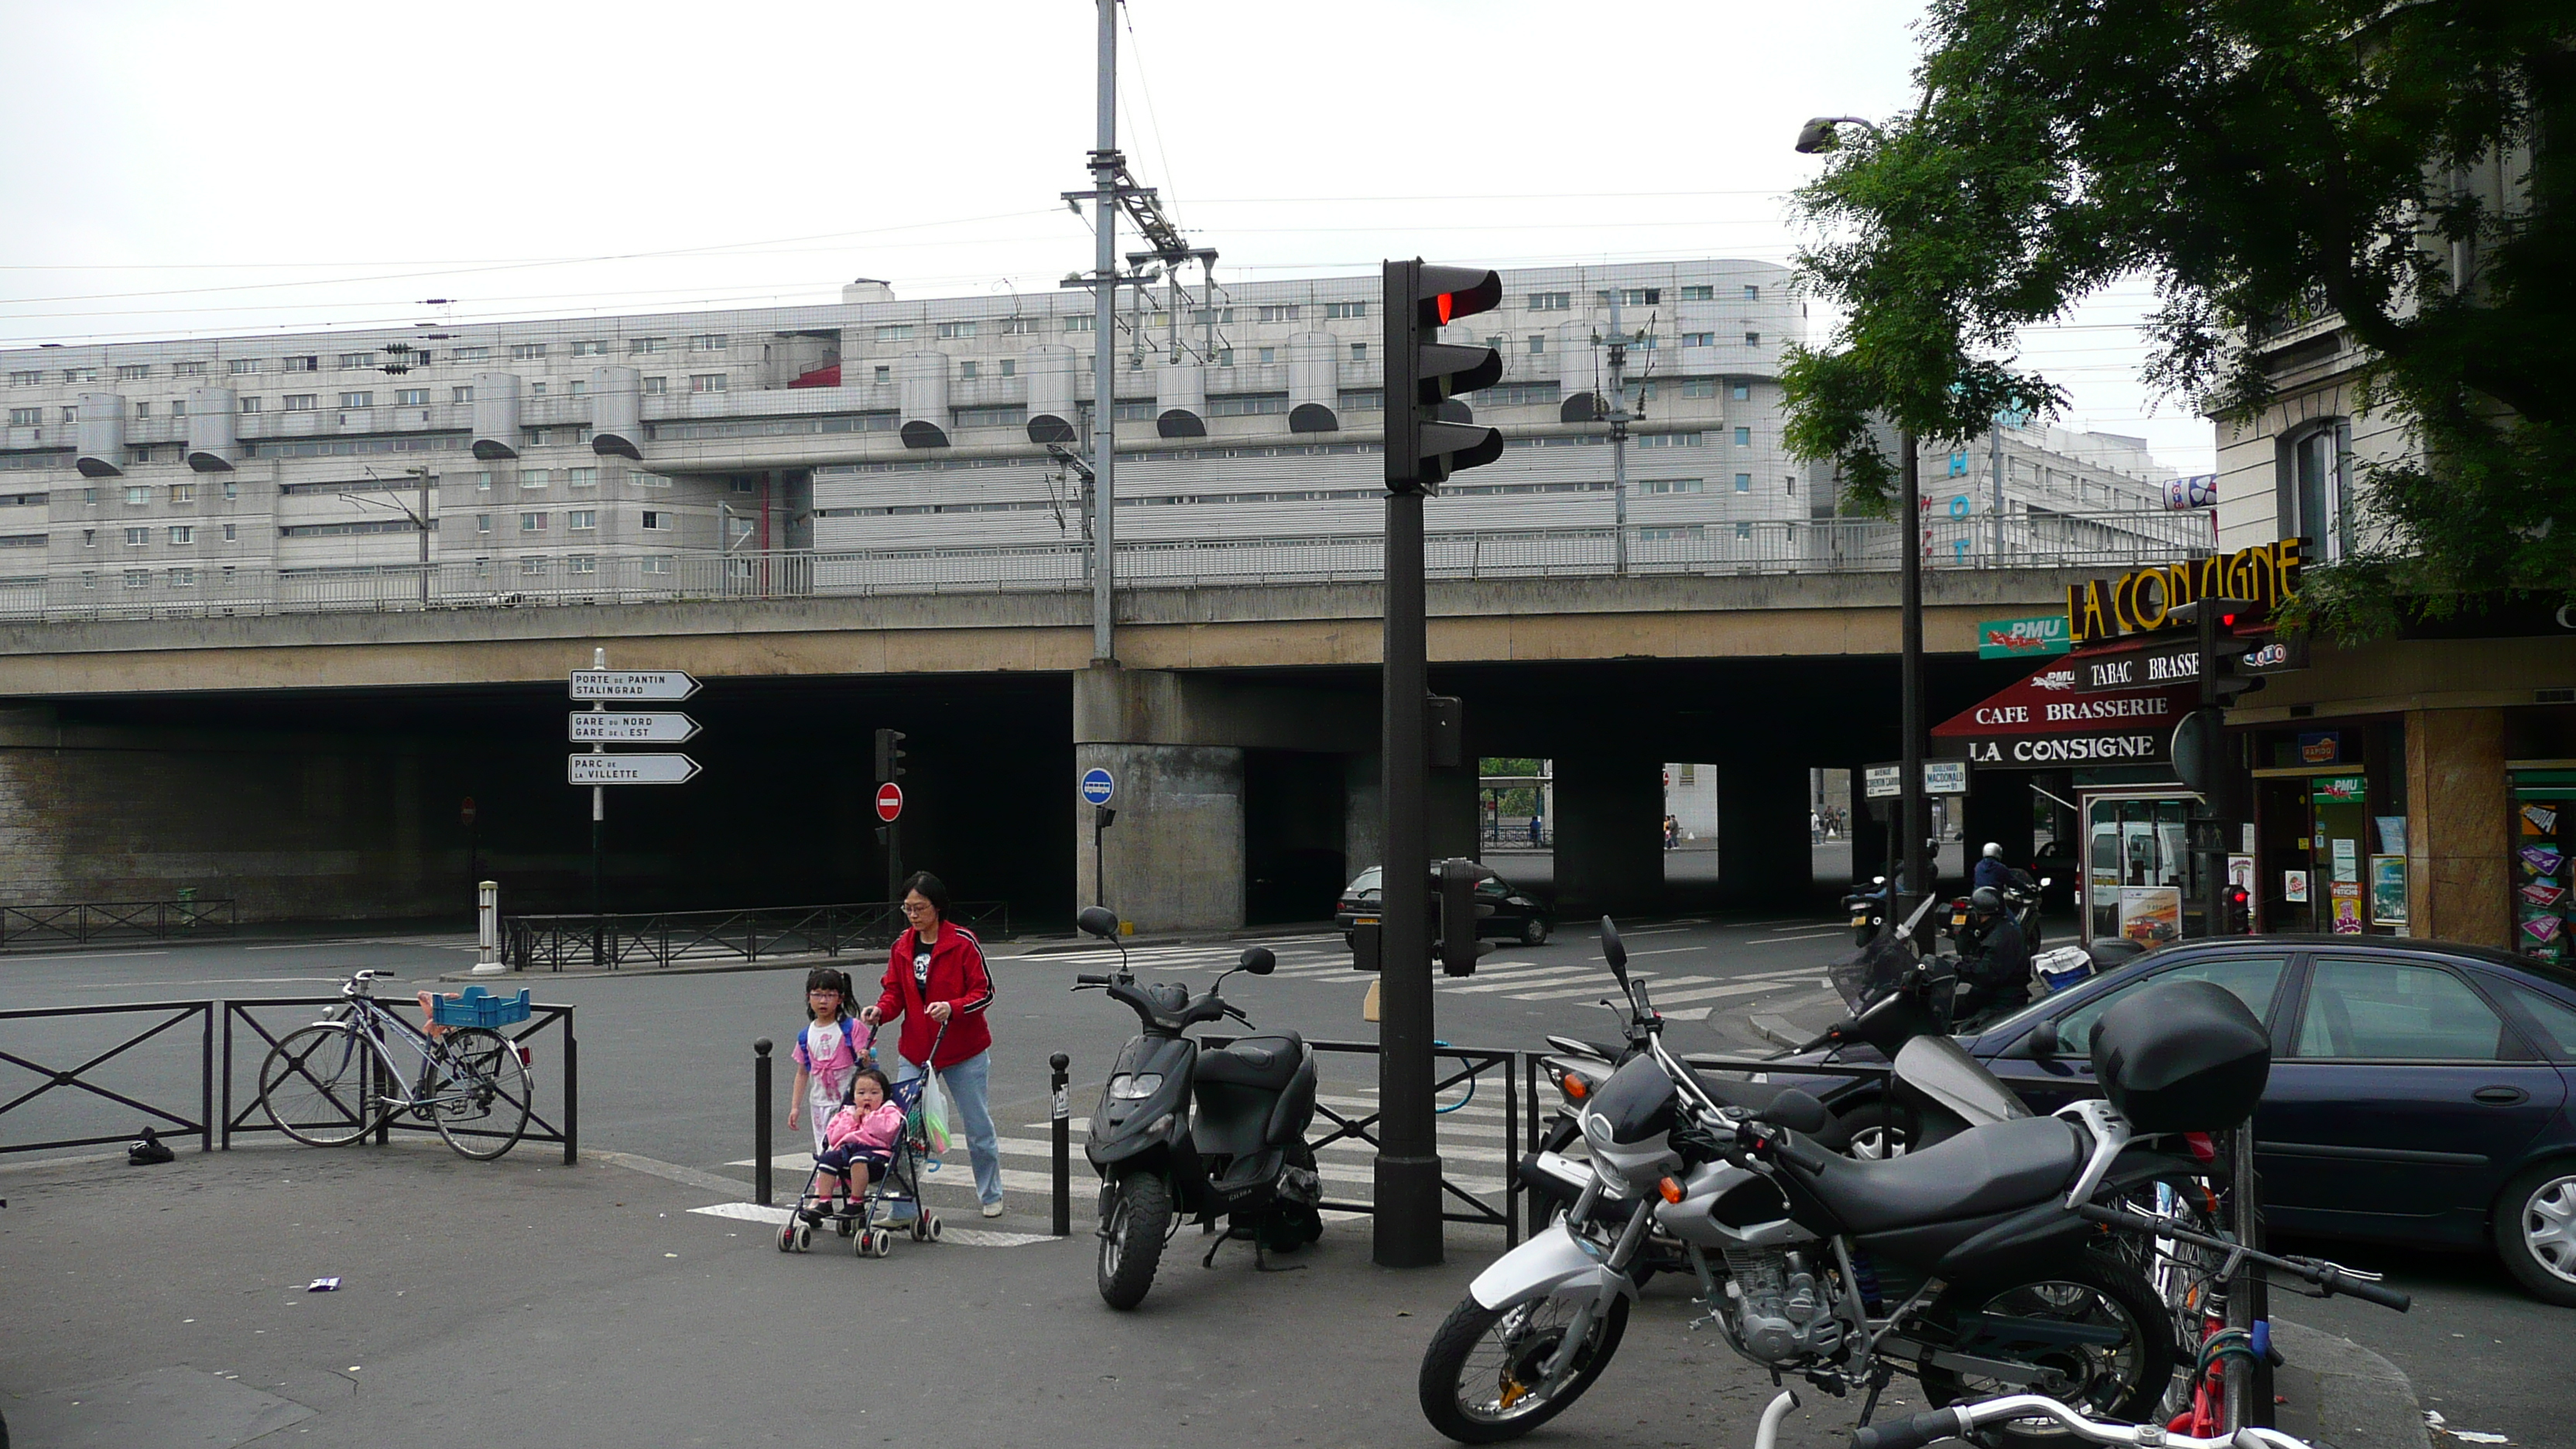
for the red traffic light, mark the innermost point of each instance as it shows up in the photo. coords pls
(1448, 294)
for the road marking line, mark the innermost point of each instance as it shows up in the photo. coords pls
(1741, 988)
(752, 1212)
(80, 956)
(1775, 940)
(1657, 989)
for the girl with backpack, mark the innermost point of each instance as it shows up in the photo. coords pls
(830, 1047)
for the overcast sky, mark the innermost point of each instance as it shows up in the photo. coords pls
(237, 168)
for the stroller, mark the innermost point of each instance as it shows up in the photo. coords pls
(893, 1198)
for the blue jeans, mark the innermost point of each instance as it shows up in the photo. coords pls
(966, 1085)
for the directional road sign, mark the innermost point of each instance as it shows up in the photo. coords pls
(1098, 785)
(629, 769)
(889, 801)
(631, 729)
(636, 684)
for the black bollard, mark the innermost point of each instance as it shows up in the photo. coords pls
(1063, 1115)
(760, 1122)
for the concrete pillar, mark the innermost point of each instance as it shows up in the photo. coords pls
(1609, 834)
(2457, 829)
(1763, 849)
(1175, 743)
(1174, 859)
(1363, 813)
(1869, 836)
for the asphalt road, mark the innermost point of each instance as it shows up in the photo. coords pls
(667, 1074)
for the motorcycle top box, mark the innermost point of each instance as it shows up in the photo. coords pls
(2182, 1056)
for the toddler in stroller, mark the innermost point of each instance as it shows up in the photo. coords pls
(856, 1185)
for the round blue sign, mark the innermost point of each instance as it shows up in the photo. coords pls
(1098, 786)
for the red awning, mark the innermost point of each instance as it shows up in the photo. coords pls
(2041, 723)
(820, 377)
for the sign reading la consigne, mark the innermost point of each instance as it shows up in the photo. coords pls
(2140, 600)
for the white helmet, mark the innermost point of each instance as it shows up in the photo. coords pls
(1994, 851)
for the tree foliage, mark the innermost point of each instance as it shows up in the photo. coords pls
(2264, 163)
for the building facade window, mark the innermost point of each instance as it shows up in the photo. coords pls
(532, 523)
(1743, 482)
(648, 344)
(2316, 495)
(137, 495)
(592, 348)
(138, 538)
(1743, 392)
(949, 331)
(1752, 339)
(1080, 322)
(1699, 339)
(1551, 301)
(581, 477)
(657, 385)
(1699, 294)
(582, 518)
(300, 402)
(460, 394)
(708, 342)
(706, 382)
(412, 397)
(26, 417)
(894, 332)
(656, 522)
(133, 371)
(182, 534)
(26, 379)
(1744, 437)
(241, 365)
(356, 361)
(474, 354)
(232, 533)
(1345, 309)
(1752, 293)
(357, 399)
(534, 480)
(1283, 313)
(183, 492)
(307, 363)
(526, 351)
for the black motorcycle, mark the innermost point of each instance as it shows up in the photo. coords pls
(1183, 1133)
(1868, 910)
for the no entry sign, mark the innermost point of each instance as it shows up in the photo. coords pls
(889, 802)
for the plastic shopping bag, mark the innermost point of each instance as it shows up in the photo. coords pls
(931, 1116)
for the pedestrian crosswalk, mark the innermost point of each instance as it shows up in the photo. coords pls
(1325, 958)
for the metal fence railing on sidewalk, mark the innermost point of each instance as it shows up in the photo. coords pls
(557, 1122)
(77, 923)
(664, 938)
(183, 1084)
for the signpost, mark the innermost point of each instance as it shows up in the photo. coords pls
(1098, 786)
(599, 769)
(632, 729)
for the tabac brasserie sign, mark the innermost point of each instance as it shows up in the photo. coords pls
(2045, 723)
(2139, 601)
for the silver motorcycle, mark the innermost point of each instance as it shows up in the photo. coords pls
(1965, 1264)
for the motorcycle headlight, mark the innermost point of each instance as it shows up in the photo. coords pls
(1136, 1086)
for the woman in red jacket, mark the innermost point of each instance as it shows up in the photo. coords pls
(937, 979)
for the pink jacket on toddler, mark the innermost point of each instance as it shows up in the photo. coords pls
(872, 1131)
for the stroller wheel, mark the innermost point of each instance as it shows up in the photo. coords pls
(859, 1243)
(804, 1236)
(931, 1232)
(846, 1226)
(883, 1241)
(786, 1239)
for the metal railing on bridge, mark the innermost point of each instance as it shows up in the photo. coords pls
(2106, 541)
(665, 938)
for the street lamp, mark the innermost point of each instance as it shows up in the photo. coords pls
(1814, 138)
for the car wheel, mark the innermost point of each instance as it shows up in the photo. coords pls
(1534, 932)
(2535, 1231)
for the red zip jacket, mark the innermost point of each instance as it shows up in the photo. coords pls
(957, 976)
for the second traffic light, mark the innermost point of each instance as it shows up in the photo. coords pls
(889, 755)
(2221, 647)
(1459, 913)
(1422, 372)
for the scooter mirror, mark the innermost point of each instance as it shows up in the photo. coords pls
(1257, 960)
(1098, 921)
(1615, 951)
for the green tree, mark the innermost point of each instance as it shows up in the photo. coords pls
(2263, 162)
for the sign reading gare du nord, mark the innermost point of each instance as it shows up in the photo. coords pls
(2047, 721)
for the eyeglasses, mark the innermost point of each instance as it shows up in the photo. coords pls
(822, 991)
(914, 908)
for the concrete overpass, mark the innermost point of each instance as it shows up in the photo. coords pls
(314, 763)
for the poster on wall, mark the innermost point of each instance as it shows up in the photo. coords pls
(2151, 915)
(2392, 833)
(2347, 907)
(2388, 890)
(2294, 887)
(2240, 873)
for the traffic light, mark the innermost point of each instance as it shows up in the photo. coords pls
(2220, 648)
(889, 755)
(1459, 912)
(1423, 373)
(2240, 911)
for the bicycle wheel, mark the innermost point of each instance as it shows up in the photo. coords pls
(318, 1084)
(479, 1093)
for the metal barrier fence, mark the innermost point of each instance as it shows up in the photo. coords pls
(1473, 1063)
(172, 1014)
(252, 1117)
(611, 942)
(80, 922)
(2107, 541)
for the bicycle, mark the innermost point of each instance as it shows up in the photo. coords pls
(320, 1083)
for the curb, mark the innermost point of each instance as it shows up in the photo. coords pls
(2339, 1392)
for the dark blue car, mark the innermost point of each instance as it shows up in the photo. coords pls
(2419, 1090)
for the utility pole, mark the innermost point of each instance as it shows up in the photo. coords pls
(598, 829)
(1619, 419)
(1995, 454)
(1106, 164)
(1916, 877)
(422, 524)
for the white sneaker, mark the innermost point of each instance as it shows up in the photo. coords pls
(992, 1210)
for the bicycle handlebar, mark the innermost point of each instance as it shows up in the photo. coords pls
(1088, 980)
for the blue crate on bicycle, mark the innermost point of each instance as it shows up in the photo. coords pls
(478, 1007)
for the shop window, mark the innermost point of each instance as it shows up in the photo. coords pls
(2544, 835)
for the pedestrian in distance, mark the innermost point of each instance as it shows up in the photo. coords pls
(830, 1046)
(937, 981)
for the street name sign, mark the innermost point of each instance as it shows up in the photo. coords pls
(1945, 777)
(590, 725)
(1098, 785)
(629, 769)
(656, 685)
(1884, 781)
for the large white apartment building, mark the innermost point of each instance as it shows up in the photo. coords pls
(156, 472)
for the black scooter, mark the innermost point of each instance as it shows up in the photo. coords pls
(1243, 1155)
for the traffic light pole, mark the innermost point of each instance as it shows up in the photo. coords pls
(1914, 879)
(1408, 1233)
(1105, 164)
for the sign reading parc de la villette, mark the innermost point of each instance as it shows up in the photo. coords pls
(2052, 720)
